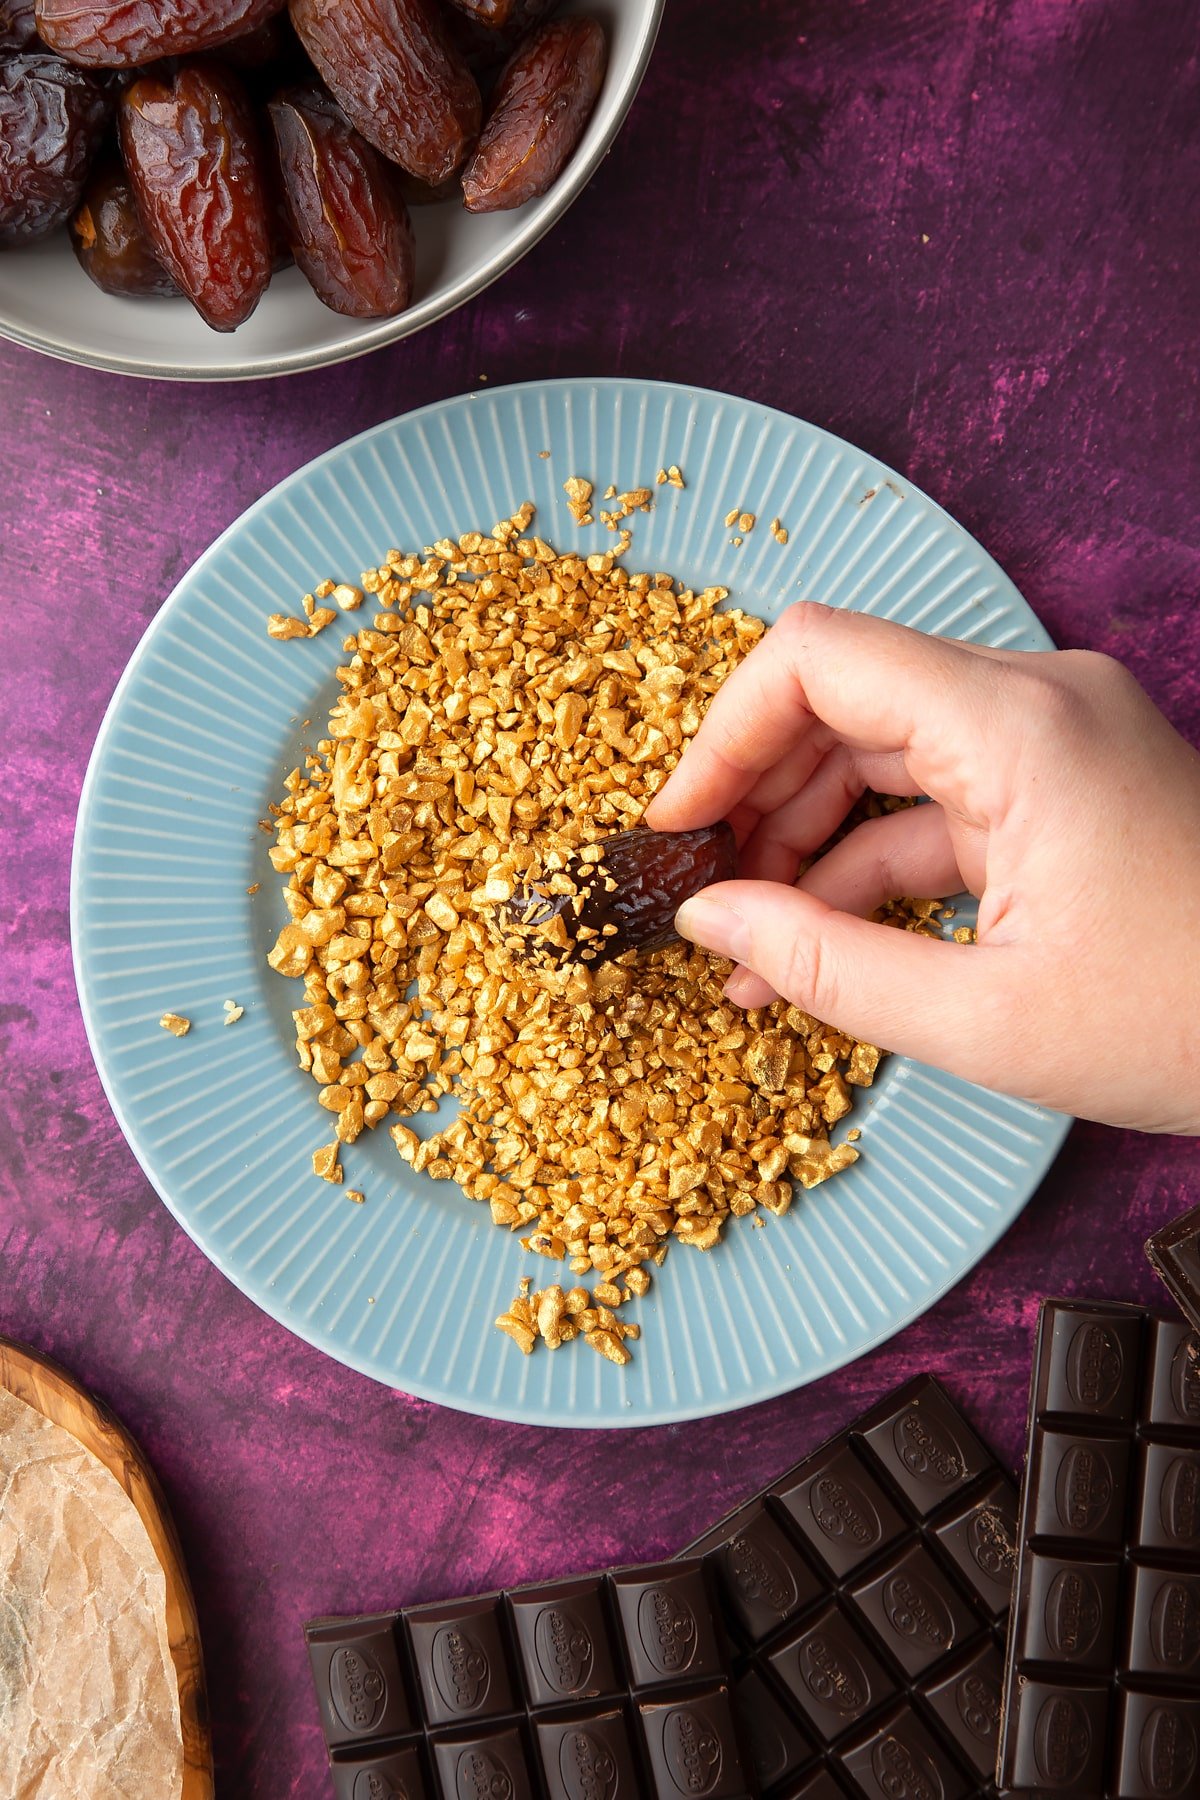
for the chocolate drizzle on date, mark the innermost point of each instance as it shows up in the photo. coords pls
(622, 893)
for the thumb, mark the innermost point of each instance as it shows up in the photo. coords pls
(941, 1003)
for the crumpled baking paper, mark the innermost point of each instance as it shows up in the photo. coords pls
(89, 1705)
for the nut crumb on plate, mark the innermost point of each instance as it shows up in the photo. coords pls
(176, 1024)
(505, 709)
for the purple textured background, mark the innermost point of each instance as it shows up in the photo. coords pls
(962, 233)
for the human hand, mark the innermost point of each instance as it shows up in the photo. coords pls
(1058, 794)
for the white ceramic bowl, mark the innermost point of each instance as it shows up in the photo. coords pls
(48, 303)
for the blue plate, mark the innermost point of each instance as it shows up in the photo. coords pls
(207, 720)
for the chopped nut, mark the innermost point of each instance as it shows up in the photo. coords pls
(348, 598)
(176, 1024)
(326, 1165)
(747, 521)
(233, 1012)
(779, 532)
(503, 711)
(356, 1195)
(282, 627)
(609, 1345)
(522, 1335)
(731, 516)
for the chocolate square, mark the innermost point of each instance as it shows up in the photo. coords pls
(928, 1450)
(915, 1611)
(692, 1747)
(358, 1671)
(840, 1510)
(667, 1624)
(486, 1764)
(764, 1580)
(1174, 1253)
(1173, 1399)
(459, 1657)
(899, 1756)
(587, 1756)
(381, 1774)
(1069, 1612)
(1157, 1755)
(777, 1746)
(1079, 1483)
(831, 1673)
(967, 1702)
(1168, 1505)
(1090, 1368)
(1059, 1738)
(981, 1541)
(1163, 1635)
(563, 1642)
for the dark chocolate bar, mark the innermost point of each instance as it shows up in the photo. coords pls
(603, 1687)
(1102, 1680)
(866, 1593)
(1174, 1254)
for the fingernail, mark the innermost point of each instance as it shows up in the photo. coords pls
(714, 927)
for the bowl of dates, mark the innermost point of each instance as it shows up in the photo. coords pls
(219, 189)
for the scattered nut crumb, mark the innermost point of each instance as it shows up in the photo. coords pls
(281, 627)
(731, 516)
(747, 521)
(964, 934)
(779, 532)
(326, 1165)
(176, 1024)
(255, 885)
(356, 1195)
(579, 495)
(348, 598)
(233, 1012)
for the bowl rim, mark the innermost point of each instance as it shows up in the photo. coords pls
(376, 334)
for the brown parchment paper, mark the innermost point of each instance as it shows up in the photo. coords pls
(89, 1708)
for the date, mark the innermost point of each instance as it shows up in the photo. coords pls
(349, 228)
(487, 44)
(52, 118)
(398, 78)
(542, 102)
(121, 34)
(110, 242)
(654, 873)
(18, 27)
(191, 148)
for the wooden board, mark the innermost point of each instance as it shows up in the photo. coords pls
(48, 1388)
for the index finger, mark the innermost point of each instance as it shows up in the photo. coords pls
(877, 685)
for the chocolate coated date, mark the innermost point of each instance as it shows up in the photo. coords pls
(52, 118)
(120, 34)
(398, 78)
(542, 102)
(110, 242)
(654, 873)
(192, 153)
(348, 226)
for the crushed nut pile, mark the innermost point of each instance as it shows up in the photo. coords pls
(503, 708)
